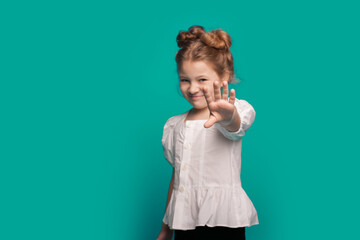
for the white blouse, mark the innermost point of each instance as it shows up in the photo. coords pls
(207, 161)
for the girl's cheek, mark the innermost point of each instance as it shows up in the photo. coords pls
(211, 90)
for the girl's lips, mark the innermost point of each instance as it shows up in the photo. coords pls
(196, 97)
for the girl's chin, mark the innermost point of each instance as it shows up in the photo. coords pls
(199, 106)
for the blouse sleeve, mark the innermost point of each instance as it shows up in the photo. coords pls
(247, 117)
(167, 141)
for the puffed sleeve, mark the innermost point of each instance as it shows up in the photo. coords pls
(247, 117)
(167, 141)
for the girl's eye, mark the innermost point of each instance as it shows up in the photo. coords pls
(203, 79)
(184, 80)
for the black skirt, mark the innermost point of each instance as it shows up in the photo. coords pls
(206, 232)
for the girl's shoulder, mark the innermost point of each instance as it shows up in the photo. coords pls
(241, 101)
(175, 119)
(243, 104)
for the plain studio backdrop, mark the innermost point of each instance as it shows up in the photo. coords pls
(86, 87)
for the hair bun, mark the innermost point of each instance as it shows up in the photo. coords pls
(194, 32)
(218, 38)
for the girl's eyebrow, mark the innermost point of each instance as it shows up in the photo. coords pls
(181, 76)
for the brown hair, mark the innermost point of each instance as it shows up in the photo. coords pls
(212, 47)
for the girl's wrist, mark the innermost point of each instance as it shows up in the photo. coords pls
(235, 123)
(229, 122)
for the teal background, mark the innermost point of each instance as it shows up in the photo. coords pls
(86, 87)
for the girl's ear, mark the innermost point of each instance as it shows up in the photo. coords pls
(221, 83)
(225, 78)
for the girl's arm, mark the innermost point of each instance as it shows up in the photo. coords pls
(171, 187)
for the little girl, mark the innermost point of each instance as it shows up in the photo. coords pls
(203, 145)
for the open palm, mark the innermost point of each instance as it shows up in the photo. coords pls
(222, 109)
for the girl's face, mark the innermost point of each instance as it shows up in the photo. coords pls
(194, 75)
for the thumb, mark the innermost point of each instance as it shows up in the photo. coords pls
(210, 122)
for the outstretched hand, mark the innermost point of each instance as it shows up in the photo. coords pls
(222, 109)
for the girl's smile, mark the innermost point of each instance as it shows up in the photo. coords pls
(196, 97)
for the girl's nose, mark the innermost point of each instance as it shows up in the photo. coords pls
(194, 88)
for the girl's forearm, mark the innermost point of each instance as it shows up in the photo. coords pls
(171, 187)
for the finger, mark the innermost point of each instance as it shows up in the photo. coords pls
(210, 122)
(208, 96)
(225, 91)
(217, 93)
(232, 96)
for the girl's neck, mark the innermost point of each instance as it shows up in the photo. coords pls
(198, 114)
